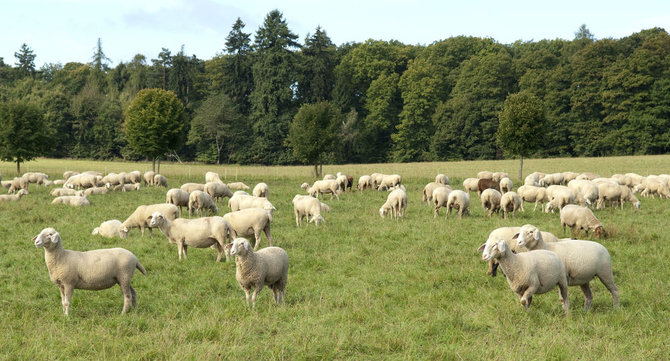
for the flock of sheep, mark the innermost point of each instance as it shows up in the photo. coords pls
(553, 262)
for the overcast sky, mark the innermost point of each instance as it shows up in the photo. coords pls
(61, 31)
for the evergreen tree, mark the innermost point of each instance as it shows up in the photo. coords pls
(25, 61)
(318, 65)
(237, 77)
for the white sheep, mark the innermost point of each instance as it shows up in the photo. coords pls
(506, 185)
(568, 176)
(128, 187)
(217, 190)
(491, 201)
(91, 270)
(307, 206)
(651, 186)
(142, 214)
(160, 181)
(250, 222)
(560, 198)
(342, 181)
(212, 177)
(190, 187)
(36, 177)
(199, 233)
(75, 201)
(109, 229)
(327, 186)
(13, 197)
(442, 179)
(113, 179)
(261, 190)
(237, 185)
(96, 190)
(471, 184)
(608, 192)
(396, 202)
(583, 260)
(628, 196)
(440, 199)
(134, 177)
(177, 197)
(69, 173)
(510, 202)
(552, 179)
(376, 178)
(485, 174)
(498, 176)
(428, 191)
(389, 181)
(243, 201)
(266, 267)
(17, 184)
(529, 273)
(588, 176)
(587, 189)
(56, 192)
(364, 182)
(459, 200)
(199, 202)
(148, 177)
(578, 217)
(532, 180)
(329, 177)
(529, 193)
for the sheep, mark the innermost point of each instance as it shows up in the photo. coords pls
(442, 179)
(491, 200)
(212, 177)
(59, 182)
(84, 180)
(140, 217)
(307, 206)
(261, 190)
(177, 197)
(199, 233)
(364, 182)
(329, 177)
(148, 177)
(578, 217)
(628, 196)
(653, 186)
(6, 184)
(133, 177)
(470, 184)
(69, 173)
(583, 261)
(113, 178)
(190, 187)
(109, 229)
(342, 181)
(532, 180)
(428, 191)
(90, 270)
(96, 190)
(237, 185)
(13, 197)
(324, 207)
(529, 193)
(56, 192)
(160, 181)
(461, 201)
(36, 177)
(244, 201)
(560, 199)
(587, 189)
(75, 201)
(510, 202)
(376, 179)
(506, 185)
(440, 198)
(17, 184)
(250, 222)
(350, 182)
(485, 175)
(553, 189)
(551, 179)
(529, 273)
(568, 176)
(484, 184)
(396, 202)
(324, 187)
(623, 179)
(608, 192)
(217, 190)
(127, 187)
(636, 179)
(498, 176)
(267, 267)
(200, 201)
(588, 176)
(389, 181)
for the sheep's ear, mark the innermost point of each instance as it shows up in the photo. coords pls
(34, 238)
(515, 236)
(55, 237)
(247, 245)
(502, 246)
(481, 248)
(537, 234)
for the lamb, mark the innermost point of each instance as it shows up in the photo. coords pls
(140, 217)
(75, 201)
(442, 179)
(583, 261)
(507, 234)
(530, 272)
(13, 197)
(237, 185)
(250, 222)
(244, 201)
(396, 202)
(428, 191)
(560, 199)
(96, 190)
(91, 270)
(109, 229)
(17, 184)
(389, 181)
(217, 190)
(510, 202)
(127, 187)
(200, 201)
(177, 197)
(484, 184)
(461, 201)
(36, 177)
(56, 192)
(134, 177)
(506, 185)
(491, 200)
(470, 184)
(578, 217)
(364, 182)
(267, 267)
(261, 190)
(199, 233)
(307, 206)
(440, 199)
(212, 177)
(148, 177)
(529, 193)
(160, 181)
(324, 207)
(324, 187)
(190, 187)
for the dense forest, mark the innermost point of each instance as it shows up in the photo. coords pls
(394, 102)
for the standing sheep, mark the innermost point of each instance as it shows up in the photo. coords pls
(535, 194)
(364, 182)
(243, 201)
(190, 187)
(484, 184)
(109, 229)
(440, 199)
(199, 233)
(491, 201)
(266, 267)
(307, 206)
(142, 214)
(177, 197)
(91, 270)
(200, 201)
(428, 191)
(506, 185)
(389, 181)
(507, 234)
(560, 198)
(578, 218)
(212, 177)
(510, 202)
(217, 190)
(461, 201)
(148, 178)
(442, 179)
(396, 202)
(470, 184)
(250, 222)
(261, 190)
(327, 186)
(160, 181)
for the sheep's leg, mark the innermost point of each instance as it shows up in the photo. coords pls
(219, 248)
(527, 297)
(127, 295)
(267, 234)
(608, 280)
(247, 294)
(296, 219)
(180, 249)
(588, 296)
(185, 251)
(134, 298)
(67, 296)
(257, 289)
(257, 236)
(535, 206)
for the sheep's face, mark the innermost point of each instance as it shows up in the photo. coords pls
(383, 212)
(492, 249)
(123, 231)
(156, 219)
(527, 236)
(240, 247)
(47, 238)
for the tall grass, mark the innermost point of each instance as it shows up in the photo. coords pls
(359, 287)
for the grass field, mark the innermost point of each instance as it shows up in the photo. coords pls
(359, 287)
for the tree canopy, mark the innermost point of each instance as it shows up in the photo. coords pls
(22, 134)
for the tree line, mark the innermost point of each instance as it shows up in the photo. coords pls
(275, 100)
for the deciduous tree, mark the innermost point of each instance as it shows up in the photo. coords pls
(22, 134)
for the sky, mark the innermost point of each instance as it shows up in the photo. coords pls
(62, 31)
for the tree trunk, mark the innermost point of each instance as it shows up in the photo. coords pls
(520, 167)
(18, 167)
(153, 165)
(159, 165)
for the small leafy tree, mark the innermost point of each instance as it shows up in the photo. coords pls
(23, 135)
(213, 127)
(521, 126)
(155, 123)
(314, 133)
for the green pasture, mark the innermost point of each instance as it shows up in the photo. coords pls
(360, 287)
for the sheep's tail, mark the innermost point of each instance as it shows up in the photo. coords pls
(141, 268)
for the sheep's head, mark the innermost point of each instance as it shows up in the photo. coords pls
(156, 219)
(383, 211)
(600, 232)
(22, 192)
(240, 247)
(317, 219)
(492, 249)
(48, 238)
(123, 231)
(527, 236)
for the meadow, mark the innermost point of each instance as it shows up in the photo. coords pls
(360, 287)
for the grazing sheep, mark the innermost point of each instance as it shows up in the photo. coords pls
(506, 185)
(148, 178)
(651, 186)
(160, 181)
(442, 179)
(440, 199)
(113, 179)
(560, 199)
(199, 233)
(177, 197)
(190, 187)
(324, 207)
(307, 206)
(428, 191)
(127, 187)
(212, 177)
(529, 273)
(577, 218)
(532, 180)
(328, 186)
(485, 175)
(498, 176)
(342, 181)
(552, 179)
(91, 270)
(329, 177)
(568, 176)
(608, 192)
(636, 179)
(470, 184)
(261, 190)
(13, 197)
(17, 184)
(588, 176)
(461, 201)
(583, 261)
(6, 184)
(134, 177)
(510, 202)
(529, 193)
(376, 179)
(628, 196)
(142, 214)
(491, 200)
(587, 189)
(484, 184)
(69, 173)
(56, 192)
(267, 267)
(250, 222)
(95, 190)
(389, 181)
(199, 202)
(243, 201)
(396, 202)
(237, 185)
(350, 182)
(59, 182)
(36, 177)
(507, 234)
(109, 229)
(75, 201)
(217, 190)
(364, 182)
